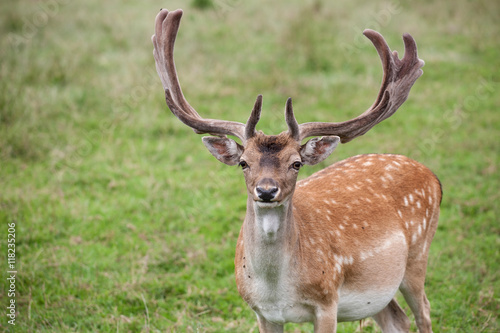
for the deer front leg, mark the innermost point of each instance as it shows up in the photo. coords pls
(326, 319)
(267, 326)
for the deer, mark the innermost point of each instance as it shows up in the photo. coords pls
(339, 244)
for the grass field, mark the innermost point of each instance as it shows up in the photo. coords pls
(125, 223)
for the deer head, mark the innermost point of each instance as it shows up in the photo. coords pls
(271, 162)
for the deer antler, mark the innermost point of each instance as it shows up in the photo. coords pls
(166, 27)
(399, 77)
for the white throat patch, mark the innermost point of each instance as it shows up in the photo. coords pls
(269, 220)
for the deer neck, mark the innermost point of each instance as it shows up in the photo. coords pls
(269, 237)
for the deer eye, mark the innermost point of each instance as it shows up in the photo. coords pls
(296, 165)
(243, 165)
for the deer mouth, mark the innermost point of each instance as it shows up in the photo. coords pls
(267, 204)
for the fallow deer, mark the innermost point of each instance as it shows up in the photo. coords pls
(337, 245)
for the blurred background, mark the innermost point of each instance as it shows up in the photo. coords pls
(125, 223)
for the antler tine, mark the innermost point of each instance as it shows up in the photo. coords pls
(166, 27)
(254, 118)
(399, 77)
(293, 126)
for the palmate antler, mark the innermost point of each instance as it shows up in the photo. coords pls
(399, 77)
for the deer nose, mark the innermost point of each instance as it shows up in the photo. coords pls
(266, 194)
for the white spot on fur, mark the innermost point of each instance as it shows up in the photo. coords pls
(418, 204)
(389, 167)
(411, 197)
(400, 214)
(406, 201)
(424, 248)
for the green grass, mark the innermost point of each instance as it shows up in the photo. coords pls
(125, 223)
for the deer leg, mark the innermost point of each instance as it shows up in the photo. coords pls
(413, 283)
(413, 291)
(267, 326)
(326, 320)
(392, 318)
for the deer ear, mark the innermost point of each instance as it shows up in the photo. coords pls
(318, 149)
(225, 150)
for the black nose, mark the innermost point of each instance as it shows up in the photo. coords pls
(266, 194)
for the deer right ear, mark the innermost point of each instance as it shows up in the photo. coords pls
(318, 149)
(225, 150)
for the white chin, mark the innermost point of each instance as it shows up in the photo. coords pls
(264, 204)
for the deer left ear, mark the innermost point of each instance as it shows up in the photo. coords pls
(225, 150)
(318, 149)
